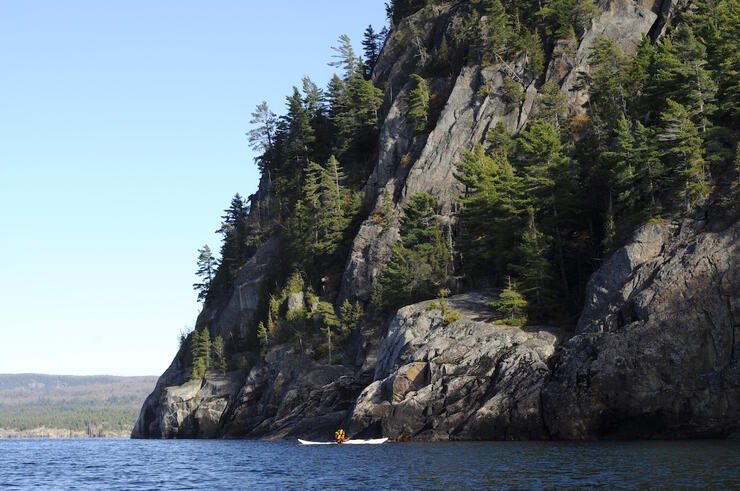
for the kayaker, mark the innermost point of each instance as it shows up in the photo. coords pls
(339, 436)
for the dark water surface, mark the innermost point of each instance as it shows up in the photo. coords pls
(186, 464)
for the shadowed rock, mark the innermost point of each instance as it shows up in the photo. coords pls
(656, 353)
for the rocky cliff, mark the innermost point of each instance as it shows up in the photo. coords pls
(656, 350)
(654, 353)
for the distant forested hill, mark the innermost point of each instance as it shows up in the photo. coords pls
(63, 405)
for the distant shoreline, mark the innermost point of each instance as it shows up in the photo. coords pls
(55, 434)
(38, 406)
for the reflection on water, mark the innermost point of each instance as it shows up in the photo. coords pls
(179, 464)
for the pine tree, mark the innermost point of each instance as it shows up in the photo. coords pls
(532, 43)
(355, 103)
(200, 347)
(637, 79)
(681, 75)
(491, 207)
(682, 153)
(207, 265)
(262, 337)
(398, 9)
(311, 199)
(550, 105)
(313, 98)
(619, 172)
(583, 12)
(419, 264)
(535, 273)
(609, 241)
(734, 198)
(195, 345)
(329, 326)
(339, 107)
(261, 137)
(344, 57)
(608, 94)
(418, 111)
(383, 37)
(512, 304)
(320, 219)
(205, 339)
(513, 94)
(336, 219)
(204, 348)
(235, 249)
(648, 172)
(546, 180)
(559, 18)
(623, 162)
(199, 370)
(372, 44)
(234, 230)
(219, 355)
(365, 101)
(419, 222)
(350, 315)
(499, 33)
(724, 17)
(300, 133)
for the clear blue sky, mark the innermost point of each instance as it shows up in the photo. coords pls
(121, 141)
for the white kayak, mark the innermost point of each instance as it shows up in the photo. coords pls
(376, 441)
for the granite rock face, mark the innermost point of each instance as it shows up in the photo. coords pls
(657, 350)
(471, 379)
(235, 317)
(623, 21)
(605, 285)
(291, 395)
(164, 412)
(191, 410)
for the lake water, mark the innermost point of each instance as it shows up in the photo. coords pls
(186, 464)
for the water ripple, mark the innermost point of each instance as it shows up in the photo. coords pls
(188, 464)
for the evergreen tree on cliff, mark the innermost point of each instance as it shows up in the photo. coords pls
(371, 44)
(492, 205)
(344, 57)
(398, 9)
(262, 135)
(419, 266)
(235, 250)
(418, 111)
(200, 348)
(499, 33)
(355, 103)
(219, 355)
(300, 135)
(533, 268)
(680, 74)
(682, 153)
(206, 270)
(546, 181)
